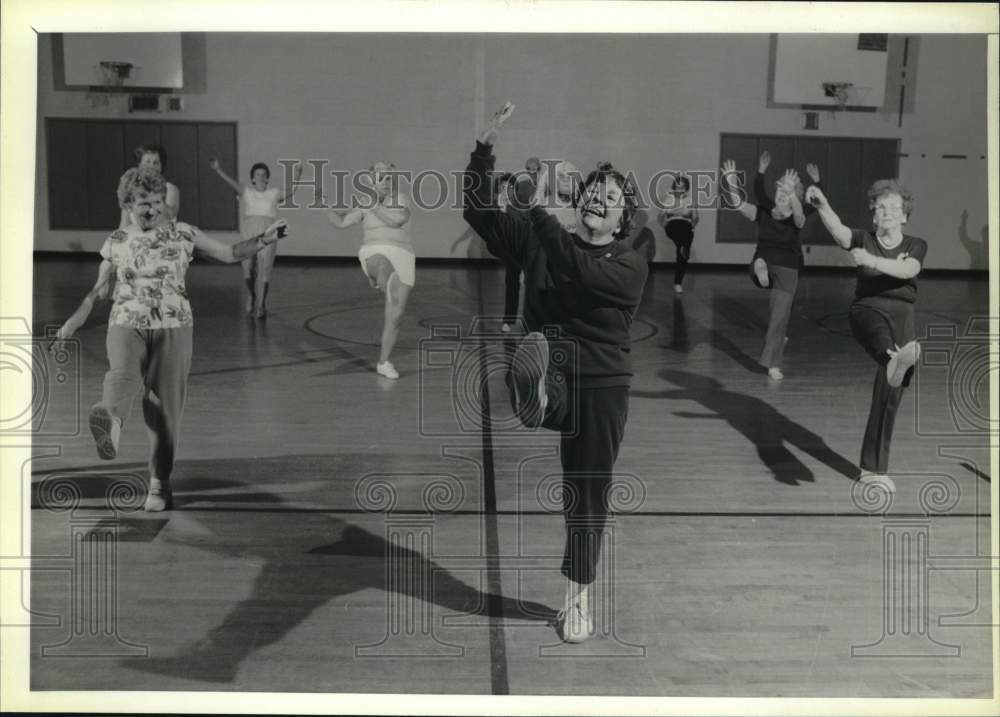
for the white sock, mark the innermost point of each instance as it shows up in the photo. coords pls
(578, 593)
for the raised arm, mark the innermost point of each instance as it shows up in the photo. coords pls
(813, 171)
(100, 291)
(232, 253)
(217, 168)
(505, 235)
(618, 279)
(761, 199)
(296, 176)
(731, 187)
(790, 179)
(840, 233)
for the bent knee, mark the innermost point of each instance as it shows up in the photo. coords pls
(380, 269)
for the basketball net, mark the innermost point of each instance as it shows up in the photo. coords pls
(110, 73)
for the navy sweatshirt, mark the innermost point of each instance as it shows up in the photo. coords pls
(778, 240)
(586, 294)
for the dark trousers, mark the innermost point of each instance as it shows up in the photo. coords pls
(512, 293)
(592, 424)
(681, 233)
(879, 326)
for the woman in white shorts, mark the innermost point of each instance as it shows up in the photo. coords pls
(386, 252)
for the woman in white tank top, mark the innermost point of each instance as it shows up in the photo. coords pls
(386, 252)
(260, 209)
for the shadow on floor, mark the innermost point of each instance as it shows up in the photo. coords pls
(764, 426)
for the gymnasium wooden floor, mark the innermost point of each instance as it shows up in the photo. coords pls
(339, 532)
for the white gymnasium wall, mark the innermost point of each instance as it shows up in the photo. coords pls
(644, 102)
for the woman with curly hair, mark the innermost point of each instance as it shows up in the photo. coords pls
(260, 209)
(149, 337)
(582, 290)
(151, 161)
(881, 316)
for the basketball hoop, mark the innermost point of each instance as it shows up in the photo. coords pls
(114, 73)
(839, 91)
(110, 74)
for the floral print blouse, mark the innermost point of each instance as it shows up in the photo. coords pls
(150, 268)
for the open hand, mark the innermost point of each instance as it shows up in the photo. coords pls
(729, 175)
(789, 179)
(815, 197)
(764, 162)
(492, 131)
(813, 171)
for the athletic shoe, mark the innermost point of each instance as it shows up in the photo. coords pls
(678, 289)
(900, 362)
(775, 373)
(879, 479)
(159, 497)
(760, 270)
(385, 368)
(107, 431)
(575, 623)
(527, 384)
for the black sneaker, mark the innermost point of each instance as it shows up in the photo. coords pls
(527, 379)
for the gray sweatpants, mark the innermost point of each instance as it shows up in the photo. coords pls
(784, 282)
(157, 362)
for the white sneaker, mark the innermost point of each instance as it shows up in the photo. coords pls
(775, 373)
(678, 289)
(385, 368)
(760, 269)
(879, 479)
(575, 623)
(900, 362)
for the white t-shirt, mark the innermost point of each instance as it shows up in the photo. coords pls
(377, 231)
(261, 204)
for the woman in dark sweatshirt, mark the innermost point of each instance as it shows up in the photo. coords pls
(581, 293)
(778, 257)
(881, 315)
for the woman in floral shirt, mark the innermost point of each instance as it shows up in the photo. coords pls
(150, 328)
